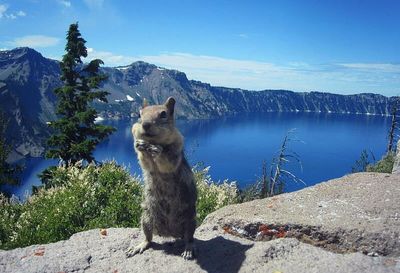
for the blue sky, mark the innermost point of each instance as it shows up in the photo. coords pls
(341, 46)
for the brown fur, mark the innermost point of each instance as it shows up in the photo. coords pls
(169, 207)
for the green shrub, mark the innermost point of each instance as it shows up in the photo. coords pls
(91, 197)
(211, 195)
(385, 165)
(10, 210)
(77, 199)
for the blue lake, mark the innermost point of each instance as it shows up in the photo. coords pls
(235, 147)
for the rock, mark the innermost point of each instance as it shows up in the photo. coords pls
(349, 224)
(30, 149)
(358, 212)
(396, 164)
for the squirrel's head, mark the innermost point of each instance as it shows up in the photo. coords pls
(156, 121)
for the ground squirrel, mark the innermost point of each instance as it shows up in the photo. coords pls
(169, 206)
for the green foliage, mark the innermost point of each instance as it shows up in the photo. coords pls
(9, 174)
(10, 210)
(76, 133)
(367, 163)
(212, 196)
(385, 165)
(51, 177)
(91, 197)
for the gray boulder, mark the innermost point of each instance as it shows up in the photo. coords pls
(396, 164)
(349, 224)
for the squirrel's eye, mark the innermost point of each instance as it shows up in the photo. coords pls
(163, 114)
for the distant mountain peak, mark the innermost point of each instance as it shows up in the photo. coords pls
(20, 52)
(136, 66)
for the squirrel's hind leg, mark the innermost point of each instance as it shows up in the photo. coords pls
(190, 251)
(147, 227)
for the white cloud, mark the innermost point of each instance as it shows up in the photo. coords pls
(94, 4)
(21, 13)
(3, 9)
(66, 4)
(224, 72)
(383, 67)
(35, 41)
(256, 75)
(109, 58)
(12, 16)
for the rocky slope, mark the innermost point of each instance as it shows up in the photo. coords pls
(396, 164)
(351, 224)
(200, 100)
(27, 81)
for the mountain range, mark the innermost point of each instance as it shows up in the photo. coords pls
(27, 81)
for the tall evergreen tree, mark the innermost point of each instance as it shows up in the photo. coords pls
(76, 133)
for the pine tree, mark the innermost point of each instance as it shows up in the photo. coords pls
(76, 133)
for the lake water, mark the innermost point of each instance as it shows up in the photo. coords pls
(235, 147)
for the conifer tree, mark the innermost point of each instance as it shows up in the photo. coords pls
(76, 133)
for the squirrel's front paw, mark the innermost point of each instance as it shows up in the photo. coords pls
(154, 150)
(141, 145)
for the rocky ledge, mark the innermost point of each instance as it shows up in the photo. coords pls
(350, 224)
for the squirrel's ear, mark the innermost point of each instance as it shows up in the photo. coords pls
(170, 104)
(145, 103)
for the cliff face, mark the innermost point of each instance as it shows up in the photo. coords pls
(27, 81)
(288, 101)
(330, 227)
(200, 100)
